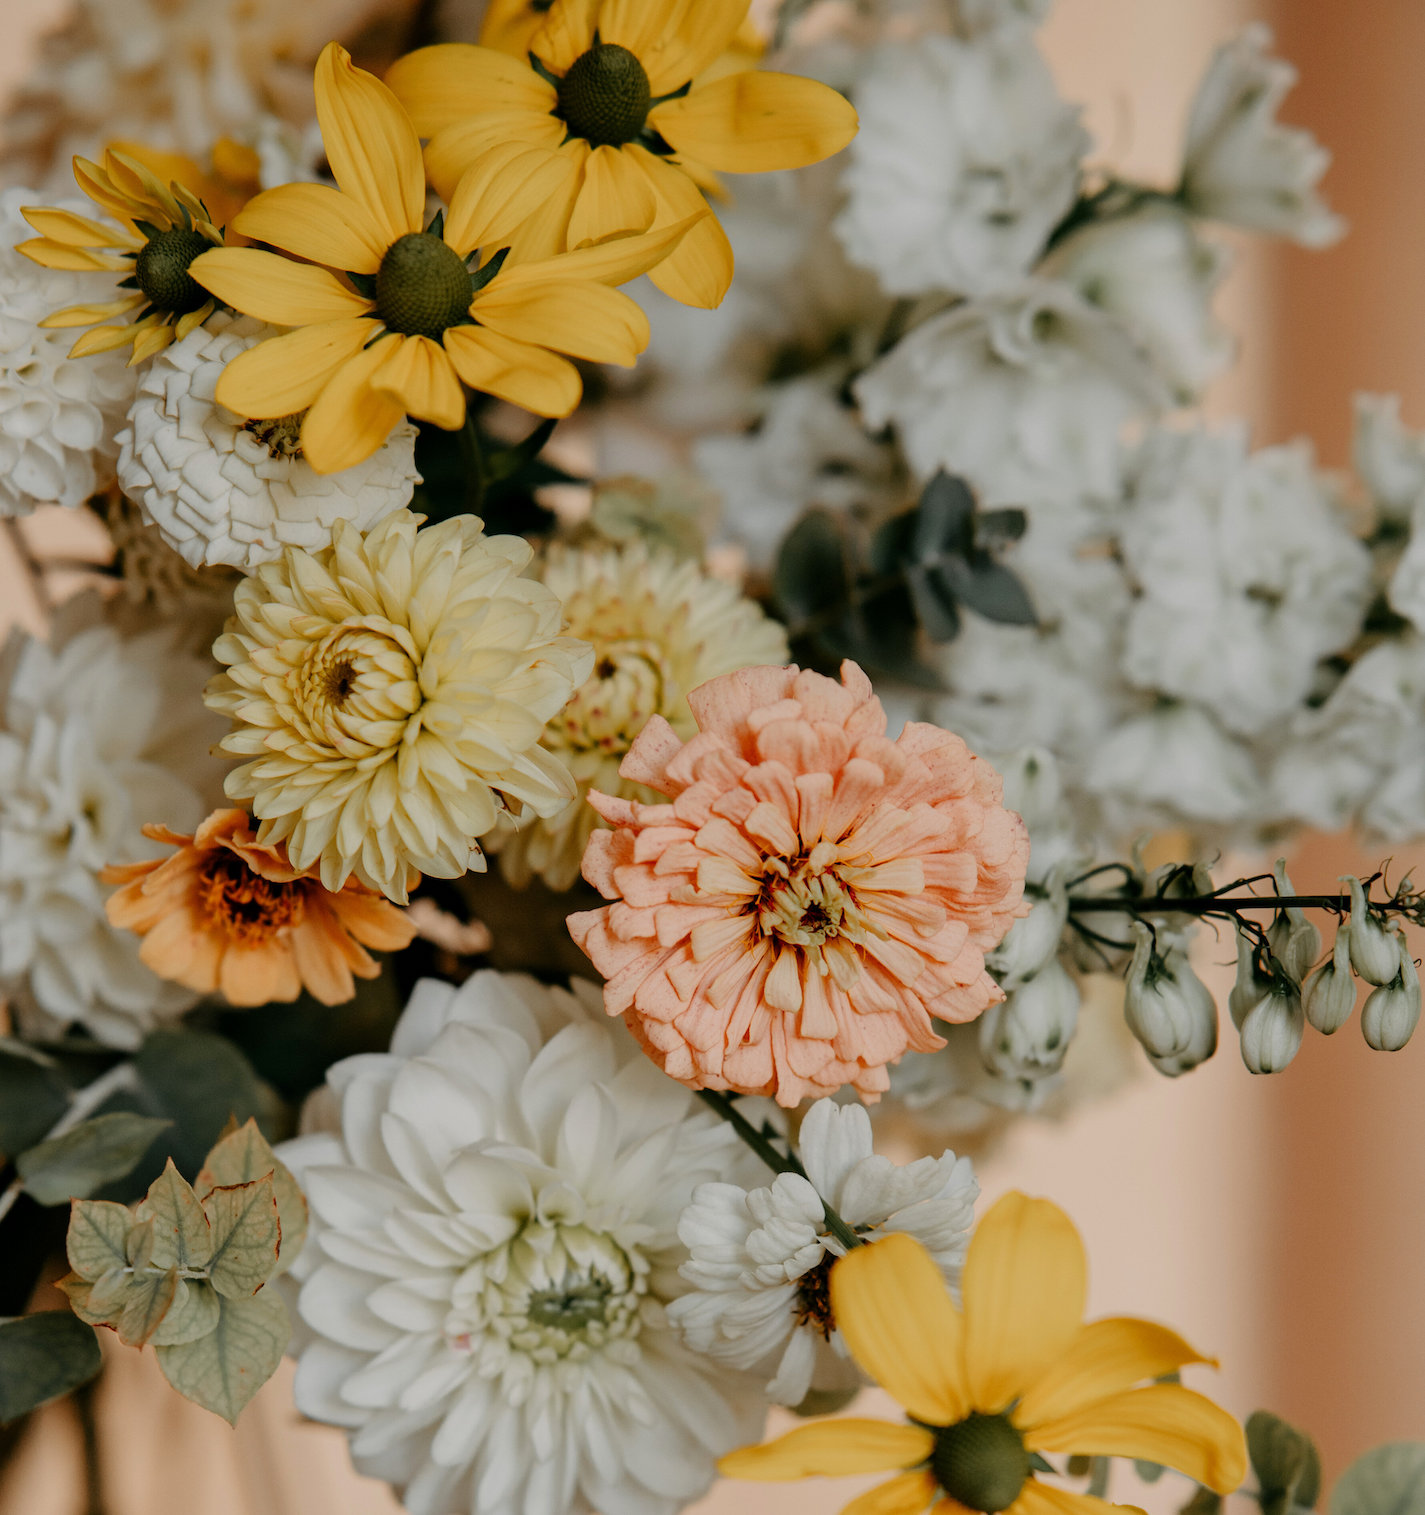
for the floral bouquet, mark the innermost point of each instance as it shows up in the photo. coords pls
(662, 641)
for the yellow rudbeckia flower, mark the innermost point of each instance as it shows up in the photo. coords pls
(154, 238)
(411, 320)
(1016, 1372)
(623, 96)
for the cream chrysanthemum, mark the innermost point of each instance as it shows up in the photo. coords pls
(659, 628)
(389, 694)
(225, 490)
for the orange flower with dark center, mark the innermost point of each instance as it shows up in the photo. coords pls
(227, 913)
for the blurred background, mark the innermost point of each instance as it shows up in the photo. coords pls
(1279, 1223)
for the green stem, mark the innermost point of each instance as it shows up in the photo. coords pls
(778, 1162)
(474, 456)
(1212, 904)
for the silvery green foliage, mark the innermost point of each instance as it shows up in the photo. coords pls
(1387, 1481)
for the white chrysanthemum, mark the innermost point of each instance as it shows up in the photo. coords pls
(1247, 574)
(58, 416)
(659, 628)
(1022, 393)
(759, 1259)
(225, 490)
(389, 694)
(1241, 165)
(965, 161)
(98, 736)
(494, 1246)
(1154, 273)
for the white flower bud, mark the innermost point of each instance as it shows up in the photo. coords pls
(1272, 1030)
(1168, 1008)
(1034, 939)
(1391, 1012)
(1375, 951)
(1026, 1036)
(1331, 994)
(1251, 985)
(1294, 940)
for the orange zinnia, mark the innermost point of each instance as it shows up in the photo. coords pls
(225, 912)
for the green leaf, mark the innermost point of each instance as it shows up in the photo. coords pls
(1149, 1472)
(79, 1292)
(98, 1236)
(1203, 1502)
(224, 1369)
(199, 1080)
(147, 1300)
(1389, 1480)
(1286, 1463)
(944, 519)
(182, 1237)
(41, 1358)
(246, 1236)
(811, 577)
(995, 592)
(194, 1313)
(93, 1154)
(33, 1097)
(243, 1156)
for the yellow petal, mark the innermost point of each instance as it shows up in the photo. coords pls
(95, 183)
(754, 121)
(419, 377)
(898, 1320)
(72, 230)
(275, 289)
(349, 419)
(507, 185)
(1048, 1499)
(509, 25)
(150, 340)
(568, 32)
(236, 162)
(613, 262)
(909, 1494)
(1165, 1424)
(373, 149)
(699, 270)
(1106, 1357)
(454, 151)
(167, 168)
(50, 254)
(577, 317)
(537, 380)
(87, 315)
(681, 47)
(615, 199)
(1023, 1291)
(833, 1449)
(453, 82)
(316, 222)
(192, 320)
(137, 181)
(284, 375)
(101, 339)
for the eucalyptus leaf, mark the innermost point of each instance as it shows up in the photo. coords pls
(224, 1369)
(33, 1097)
(1389, 1480)
(43, 1357)
(1285, 1461)
(243, 1156)
(198, 1080)
(811, 577)
(98, 1236)
(944, 519)
(995, 592)
(147, 1300)
(182, 1235)
(93, 1154)
(193, 1314)
(246, 1237)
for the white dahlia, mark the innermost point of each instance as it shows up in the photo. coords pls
(58, 417)
(222, 489)
(760, 1259)
(95, 731)
(659, 627)
(483, 1296)
(389, 694)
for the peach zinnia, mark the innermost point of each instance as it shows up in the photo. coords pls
(812, 895)
(226, 912)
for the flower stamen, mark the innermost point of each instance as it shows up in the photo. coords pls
(423, 287)
(605, 97)
(981, 1462)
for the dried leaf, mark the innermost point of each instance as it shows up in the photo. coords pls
(98, 1237)
(246, 1237)
(147, 1300)
(182, 1238)
(224, 1369)
(244, 1155)
(193, 1315)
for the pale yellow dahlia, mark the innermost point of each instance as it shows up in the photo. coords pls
(659, 628)
(389, 694)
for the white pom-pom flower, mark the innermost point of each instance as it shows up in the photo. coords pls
(494, 1246)
(59, 418)
(225, 490)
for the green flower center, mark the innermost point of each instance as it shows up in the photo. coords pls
(161, 270)
(605, 96)
(981, 1462)
(422, 287)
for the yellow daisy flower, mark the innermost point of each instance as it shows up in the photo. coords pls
(623, 97)
(1014, 1374)
(412, 319)
(154, 238)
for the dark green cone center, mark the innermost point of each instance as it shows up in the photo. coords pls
(161, 270)
(605, 96)
(422, 287)
(981, 1462)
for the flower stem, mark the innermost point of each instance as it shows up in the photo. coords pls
(474, 456)
(1411, 906)
(778, 1162)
